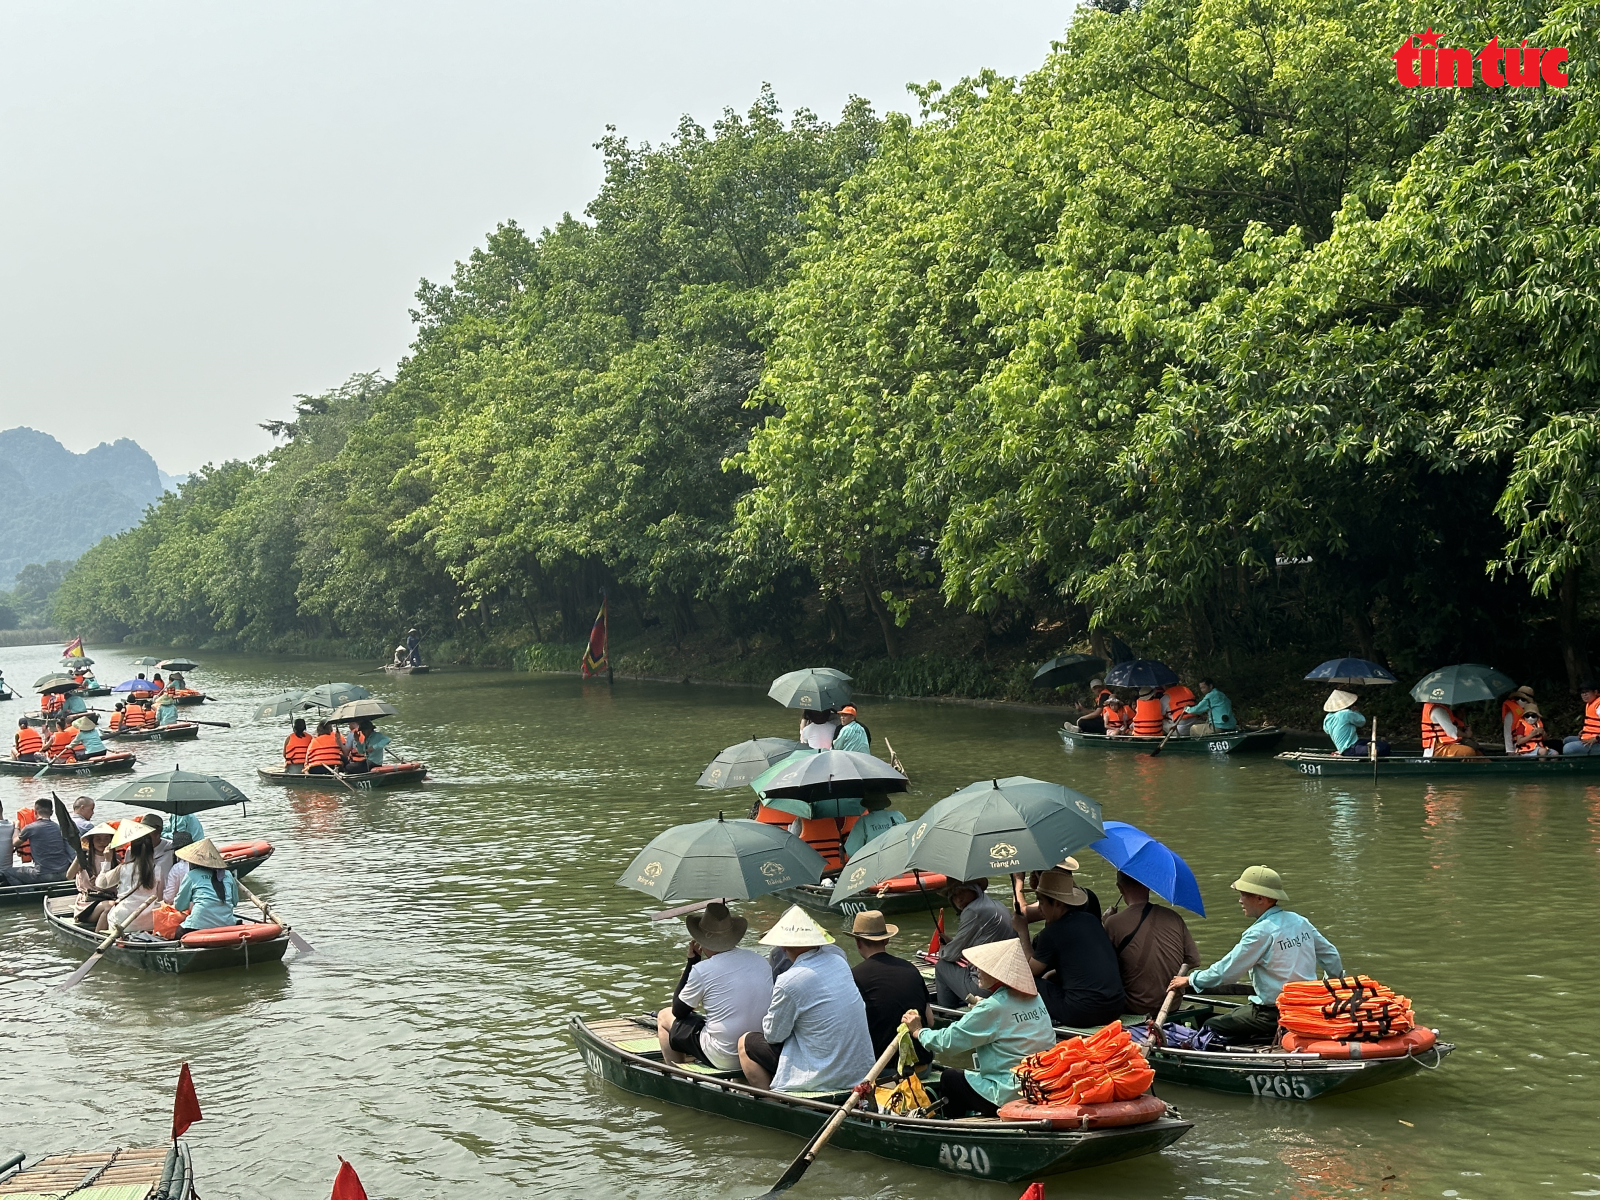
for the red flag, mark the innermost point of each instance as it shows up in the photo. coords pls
(73, 649)
(346, 1186)
(1035, 1192)
(595, 659)
(185, 1105)
(937, 940)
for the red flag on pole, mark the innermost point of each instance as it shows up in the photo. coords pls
(1035, 1192)
(937, 940)
(595, 658)
(73, 649)
(346, 1185)
(185, 1105)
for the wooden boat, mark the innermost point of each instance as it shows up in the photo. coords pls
(108, 764)
(163, 1172)
(242, 858)
(624, 1053)
(188, 696)
(387, 776)
(97, 691)
(178, 731)
(1238, 741)
(1319, 763)
(149, 953)
(899, 895)
(391, 669)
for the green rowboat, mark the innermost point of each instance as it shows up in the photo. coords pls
(1237, 741)
(815, 896)
(178, 731)
(169, 958)
(1319, 763)
(241, 863)
(387, 776)
(109, 764)
(623, 1053)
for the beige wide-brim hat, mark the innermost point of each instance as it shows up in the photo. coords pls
(1339, 701)
(871, 926)
(1066, 864)
(130, 831)
(1524, 691)
(204, 853)
(1059, 885)
(83, 723)
(1003, 960)
(795, 930)
(1146, 692)
(717, 929)
(1261, 881)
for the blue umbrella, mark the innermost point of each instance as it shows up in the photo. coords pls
(1134, 852)
(1348, 671)
(1141, 673)
(136, 685)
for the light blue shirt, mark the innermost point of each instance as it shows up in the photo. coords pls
(197, 894)
(1001, 1031)
(852, 737)
(1341, 727)
(88, 740)
(376, 741)
(819, 1016)
(1280, 947)
(167, 712)
(184, 822)
(870, 826)
(74, 703)
(1216, 708)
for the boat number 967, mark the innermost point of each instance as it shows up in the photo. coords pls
(1279, 1085)
(963, 1158)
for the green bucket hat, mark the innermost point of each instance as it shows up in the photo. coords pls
(1261, 881)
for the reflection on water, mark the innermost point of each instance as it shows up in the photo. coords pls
(459, 925)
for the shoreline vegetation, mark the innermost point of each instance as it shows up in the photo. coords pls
(1204, 335)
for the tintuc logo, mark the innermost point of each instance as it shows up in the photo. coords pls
(1442, 66)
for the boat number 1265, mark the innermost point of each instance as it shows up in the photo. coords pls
(963, 1158)
(1279, 1085)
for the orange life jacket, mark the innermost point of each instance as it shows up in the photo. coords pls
(1116, 718)
(115, 723)
(295, 746)
(356, 746)
(51, 701)
(826, 836)
(60, 740)
(1520, 724)
(1591, 721)
(1147, 717)
(25, 817)
(1433, 733)
(28, 741)
(1102, 696)
(324, 751)
(1179, 698)
(773, 816)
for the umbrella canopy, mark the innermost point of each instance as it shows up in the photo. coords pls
(1003, 825)
(176, 791)
(357, 709)
(740, 764)
(709, 860)
(280, 705)
(69, 831)
(136, 685)
(829, 773)
(146, 661)
(76, 660)
(884, 857)
(332, 695)
(1462, 684)
(1351, 671)
(1141, 673)
(814, 687)
(54, 683)
(1068, 668)
(177, 664)
(1134, 852)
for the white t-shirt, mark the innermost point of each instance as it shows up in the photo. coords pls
(818, 737)
(732, 989)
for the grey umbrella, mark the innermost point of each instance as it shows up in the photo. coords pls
(1069, 668)
(73, 660)
(717, 859)
(332, 695)
(1003, 825)
(814, 687)
(178, 664)
(356, 709)
(280, 705)
(1462, 684)
(884, 857)
(740, 764)
(830, 773)
(176, 791)
(54, 683)
(146, 661)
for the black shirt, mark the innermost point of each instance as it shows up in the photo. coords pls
(1077, 949)
(889, 986)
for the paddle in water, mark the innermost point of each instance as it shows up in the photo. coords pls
(295, 940)
(73, 980)
(1165, 740)
(807, 1156)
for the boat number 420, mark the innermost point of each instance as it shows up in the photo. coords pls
(1279, 1085)
(963, 1158)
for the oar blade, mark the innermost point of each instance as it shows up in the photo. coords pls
(301, 946)
(73, 980)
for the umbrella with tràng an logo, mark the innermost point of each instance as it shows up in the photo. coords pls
(720, 859)
(1002, 826)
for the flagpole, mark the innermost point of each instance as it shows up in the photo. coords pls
(605, 611)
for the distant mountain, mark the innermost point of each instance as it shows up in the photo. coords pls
(55, 504)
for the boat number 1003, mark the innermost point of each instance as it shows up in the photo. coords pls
(1279, 1085)
(963, 1158)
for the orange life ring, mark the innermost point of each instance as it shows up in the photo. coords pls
(245, 849)
(1148, 1107)
(232, 935)
(908, 883)
(1418, 1041)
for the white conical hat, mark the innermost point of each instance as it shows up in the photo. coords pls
(796, 929)
(1339, 701)
(130, 831)
(1003, 960)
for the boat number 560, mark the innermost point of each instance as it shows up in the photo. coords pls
(1280, 1085)
(963, 1158)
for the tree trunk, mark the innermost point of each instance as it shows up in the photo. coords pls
(1362, 624)
(891, 631)
(838, 619)
(1573, 649)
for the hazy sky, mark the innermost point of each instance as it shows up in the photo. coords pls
(208, 208)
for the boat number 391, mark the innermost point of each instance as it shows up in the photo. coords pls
(1279, 1085)
(1311, 768)
(963, 1158)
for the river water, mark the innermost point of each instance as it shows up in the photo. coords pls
(460, 924)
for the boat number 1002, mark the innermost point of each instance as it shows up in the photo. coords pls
(963, 1158)
(1279, 1085)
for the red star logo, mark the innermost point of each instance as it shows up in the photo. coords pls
(1428, 39)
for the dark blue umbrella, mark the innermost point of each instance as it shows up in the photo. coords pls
(136, 685)
(1134, 852)
(1141, 673)
(1347, 671)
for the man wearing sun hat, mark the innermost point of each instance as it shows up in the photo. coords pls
(814, 1036)
(852, 733)
(1279, 947)
(731, 987)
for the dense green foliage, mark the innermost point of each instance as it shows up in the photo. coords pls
(1206, 331)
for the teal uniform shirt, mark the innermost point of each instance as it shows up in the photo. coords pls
(376, 741)
(1216, 708)
(184, 822)
(198, 894)
(1280, 947)
(1000, 1031)
(852, 737)
(167, 712)
(1341, 727)
(74, 704)
(88, 740)
(870, 826)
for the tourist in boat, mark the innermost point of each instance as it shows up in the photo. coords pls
(115, 720)
(296, 745)
(1117, 717)
(1072, 957)
(176, 682)
(999, 1031)
(1152, 944)
(1278, 947)
(1587, 740)
(61, 738)
(1211, 713)
(1069, 865)
(184, 823)
(723, 994)
(981, 919)
(26, 744)
(83, 814)
(179, 871)
(852, 735)
(353, 744)
(135, 880)
(158, 683)
(1445, 735)
(167, 707)
(163, 852)
(91, 900)
(888, 985)
(1177, 700)
(1150, 713)
(878, 818)
(324, 756)
(209, 891)
(814, 1034)
(1522, 725)
(51, 856)
(1092, 719)
(817, 729)
(1341, 724)
(86, 742)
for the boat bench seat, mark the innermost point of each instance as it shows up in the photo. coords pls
(638, 1045)
(700, 1068)
(651, 1048)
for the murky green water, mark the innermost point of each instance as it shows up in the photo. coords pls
(461, 924)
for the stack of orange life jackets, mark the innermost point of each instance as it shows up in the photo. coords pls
(1344, 1008)
(1094, 1070)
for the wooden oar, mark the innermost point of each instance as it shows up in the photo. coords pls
(684, 910)
(806, 1157)
(197, 721)
(1164, 740)
(1156, 1036)
(295, 940)
(117, 931)
(51, 762)
(1372, 748)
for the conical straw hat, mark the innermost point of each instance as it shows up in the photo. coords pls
(1003, 960)
(130, 831)
(796, 929)
(204, 853)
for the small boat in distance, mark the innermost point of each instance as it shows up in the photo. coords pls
(1319, 763)
(109, 764)
(387, 776)
(178, 731)
(1234, 741)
